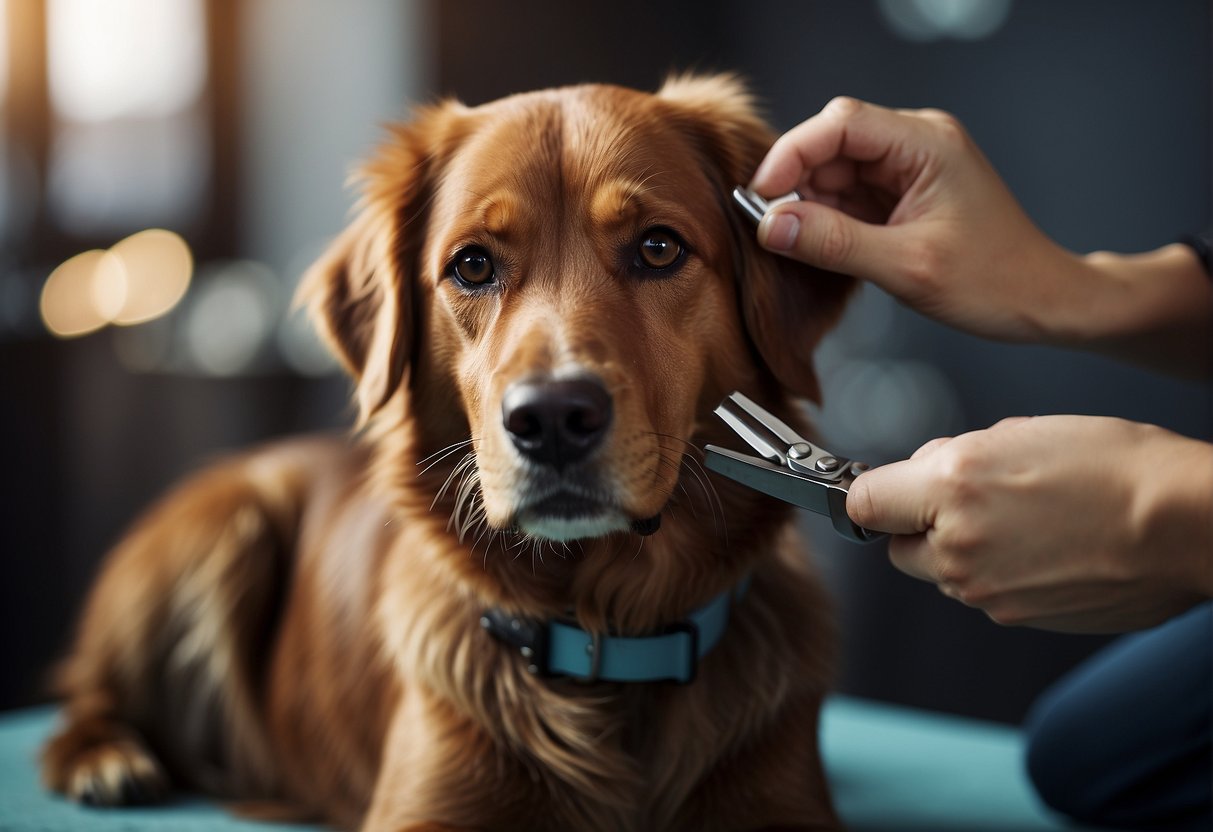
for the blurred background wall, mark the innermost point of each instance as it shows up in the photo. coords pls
(230, 128)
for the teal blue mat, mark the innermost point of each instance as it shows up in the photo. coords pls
(26, 807)
(895, 768)
(891, 769)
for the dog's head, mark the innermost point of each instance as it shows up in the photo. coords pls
(558, 279)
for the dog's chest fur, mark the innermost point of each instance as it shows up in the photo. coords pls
(605, 755)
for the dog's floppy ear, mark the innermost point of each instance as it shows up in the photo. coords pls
(787, 306)
(359, 293)
(357, 299)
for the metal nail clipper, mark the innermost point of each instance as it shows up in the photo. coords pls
(755, 206)
(789, 466)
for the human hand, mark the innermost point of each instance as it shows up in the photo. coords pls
(1073, 523)
(906, 200)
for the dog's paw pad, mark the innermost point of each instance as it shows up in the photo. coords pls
(118, 772)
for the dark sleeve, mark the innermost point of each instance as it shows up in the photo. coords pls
(1199, 243)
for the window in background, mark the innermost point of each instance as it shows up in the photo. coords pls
(9, 203)
(5, 186)
(16, 193)
(3, 52)
(130, 145)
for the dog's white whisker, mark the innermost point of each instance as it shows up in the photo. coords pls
(485, 529)
(695, 468)
(442, 451)
(451, 521)
(494, 537)
(520, 545)
(443, 454)
(690, 501)
(469, 480)
(709, 493)
(468, 459)
(476, 516)
(467, 492)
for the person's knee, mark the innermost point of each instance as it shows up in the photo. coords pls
(1064, 768)
(1124, 739)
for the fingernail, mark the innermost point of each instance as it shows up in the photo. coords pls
(780, 231)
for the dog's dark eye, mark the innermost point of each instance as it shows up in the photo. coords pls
(472, 266)
(659, 249)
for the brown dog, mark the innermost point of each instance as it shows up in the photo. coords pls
(541, 302)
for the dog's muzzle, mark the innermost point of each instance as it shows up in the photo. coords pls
(556, 423)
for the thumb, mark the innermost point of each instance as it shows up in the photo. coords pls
(891, 499)
(829, 239)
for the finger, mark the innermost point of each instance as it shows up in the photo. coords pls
(868, 205)
(1010, 422)
(841, 184)
(833, 240)
(845, 128)
(911, 554)
(835, 176)
(891, 499)
(931, 447)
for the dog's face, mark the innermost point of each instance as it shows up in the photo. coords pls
(564, 276)
(574, 254)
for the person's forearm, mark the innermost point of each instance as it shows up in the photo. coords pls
(1154, 309)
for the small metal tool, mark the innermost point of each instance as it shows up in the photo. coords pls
(790, 467)
(755, 206)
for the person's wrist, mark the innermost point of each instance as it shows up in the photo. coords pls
(1066, 312)
(1132, 294)
(1066, 286)
(1172, 518)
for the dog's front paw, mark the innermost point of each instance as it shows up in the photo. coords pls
(102, 765)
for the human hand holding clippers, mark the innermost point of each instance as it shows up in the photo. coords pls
(1036, 521)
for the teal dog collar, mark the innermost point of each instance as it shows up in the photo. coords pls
(560, 648)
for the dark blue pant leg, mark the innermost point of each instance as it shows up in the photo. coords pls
(1124, 739)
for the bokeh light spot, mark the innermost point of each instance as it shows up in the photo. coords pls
(83, 294)
(158, 267)
(231, 318)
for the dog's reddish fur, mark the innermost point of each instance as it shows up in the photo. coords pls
(298, 626)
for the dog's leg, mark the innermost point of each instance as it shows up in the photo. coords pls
(166, 652)
(777, 783)
(441, 773)
(432, 763)
(99, 759)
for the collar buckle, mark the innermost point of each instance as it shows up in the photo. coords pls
(528, 636)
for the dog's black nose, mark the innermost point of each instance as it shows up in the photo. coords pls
(556, 422)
